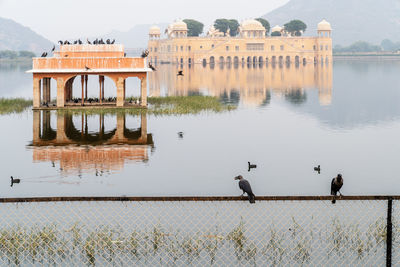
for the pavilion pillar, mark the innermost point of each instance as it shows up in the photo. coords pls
(86, 82)
(36, 126)
(60, 93)
(124, 89)
(100, 92)
(44, 90)
(48, 90)
(102, 87)
(120, 92)
(82, 83)
(119, 133)
(36, 92)
(61, 121)
(143, 126)
(143, 92)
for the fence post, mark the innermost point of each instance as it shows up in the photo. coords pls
(389, 233)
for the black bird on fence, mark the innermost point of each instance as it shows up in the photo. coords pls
(87, 68)
(101, 41)
(108, 41)
(87, 40)
(180, 73)
(336, 185)
(60, 42)
(246, 188)
(113, 41)
(251, 166)
(43, 54)
(152, 67)
(318, 169)
(145, 53)
(14, 181)
(75, 42)
(79, 41)
(54, 48)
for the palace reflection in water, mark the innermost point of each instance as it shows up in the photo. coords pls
(250, 84)
(78, 148)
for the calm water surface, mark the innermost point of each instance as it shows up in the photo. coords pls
(345, 117)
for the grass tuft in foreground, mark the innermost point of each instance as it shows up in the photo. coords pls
(14, 105)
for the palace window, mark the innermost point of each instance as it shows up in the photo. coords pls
(272, 48)
(181, 47)
(237, 48)
(155, 49)
(326, 47)
(227, 48)
(314, 47)
(176, 48)
(169, 48)
(212, 46)
(189, 48)
(282, 47)
(151, 49)
(201, 47)
(322, 47)
(255, 47)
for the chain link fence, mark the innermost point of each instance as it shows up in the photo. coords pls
(220, 231)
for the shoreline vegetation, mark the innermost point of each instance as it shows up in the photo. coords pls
(170, 105)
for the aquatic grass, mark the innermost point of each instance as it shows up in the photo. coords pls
(14, 105)
(170, 105)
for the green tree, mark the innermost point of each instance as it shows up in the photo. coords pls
(295, 27)
(8, 54)
(222, 25)
(265, 24)
(195, 28)
(27, 54)
(233, 27)
(276, 34)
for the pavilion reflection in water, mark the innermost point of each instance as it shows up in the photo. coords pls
(79, 149)
(250, 84)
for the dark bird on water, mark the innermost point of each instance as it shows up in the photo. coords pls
(318, 169)
(336, 185)
(87, 68)
(180, 73)
(251, 166)
(152, 67)
(14, 181)
(246, 188)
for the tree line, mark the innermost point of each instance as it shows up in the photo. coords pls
(231, 27)
(10, 54)
(361, 46)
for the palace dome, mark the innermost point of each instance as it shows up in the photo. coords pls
(155, 30)
(252, 25)
(324, 26)
(178, 26)
(276, 28)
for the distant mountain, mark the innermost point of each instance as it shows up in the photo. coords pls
(14, 36)
(351, 20)
(136, 37)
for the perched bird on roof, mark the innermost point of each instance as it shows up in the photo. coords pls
(246, 188)
(60, 42)
(108, 41)
(54, 48)
(113, 41)
(336, 185)
(44, 54)
(318, 169)
(145, 53)
(87, 68)
(79, 41)
(87, 40)
(152, 67)
(180, 73)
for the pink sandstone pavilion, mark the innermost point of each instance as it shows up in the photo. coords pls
(72, 61)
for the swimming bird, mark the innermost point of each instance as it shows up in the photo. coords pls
(87, 68)
(14, 181)
(152, 67)
(180, 73)
(180, 134)
(54, 48)
(251, 166)
(246, 188)
(336, 185)
(318, 169)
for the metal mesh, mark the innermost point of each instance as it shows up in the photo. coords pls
(198, 233)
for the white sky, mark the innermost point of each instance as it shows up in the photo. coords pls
(60, 19)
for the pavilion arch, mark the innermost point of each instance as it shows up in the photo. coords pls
(287, 60)
(254, 59)
(260, 60)
(304, 61)
(228, 60)
(326, 60)
(273, 60)
(266, 61)
(280, 60)
(204, 62)
(322, 60)
(221, 60)
(236, 60)
(248, 60)
(315, 60)
(297, 60)
(212, 60)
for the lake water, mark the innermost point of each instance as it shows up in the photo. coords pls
(345, 117)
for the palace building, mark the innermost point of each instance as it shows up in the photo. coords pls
(250, 46)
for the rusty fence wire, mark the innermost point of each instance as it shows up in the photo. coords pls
(182, 232)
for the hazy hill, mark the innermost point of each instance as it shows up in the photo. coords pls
(136, 37)
(351, 20)
(14, 36)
